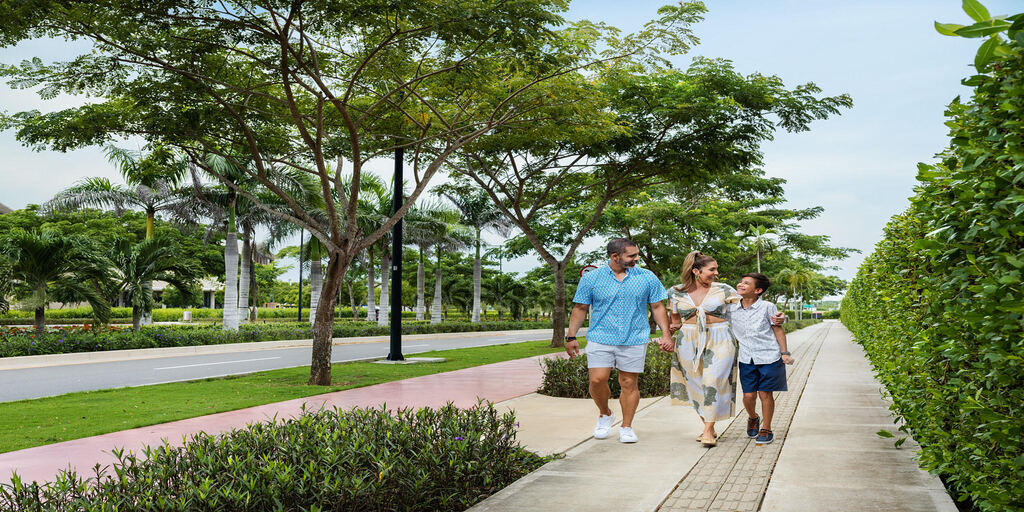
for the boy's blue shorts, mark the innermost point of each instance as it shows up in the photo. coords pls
(763, 377)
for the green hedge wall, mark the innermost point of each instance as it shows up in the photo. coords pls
(938, 306)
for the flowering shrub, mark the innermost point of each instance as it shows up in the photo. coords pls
(360, 459)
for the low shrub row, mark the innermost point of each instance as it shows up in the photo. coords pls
(124, 315)
(568, 378)
(25, 342)
(355, 460)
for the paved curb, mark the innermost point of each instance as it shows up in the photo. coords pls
(110, 356)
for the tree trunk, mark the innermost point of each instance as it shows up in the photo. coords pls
(316, 281)
(137, 313)
(243, 279)
(323, 324)
(253, 292)
(385, 296)
(421, 304)
(435, 308)
(231, 281)
(352, 300)
(41, 320)
(558, 316)
(476, 282)
(371, 307)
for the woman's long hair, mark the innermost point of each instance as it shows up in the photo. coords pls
(694, 260)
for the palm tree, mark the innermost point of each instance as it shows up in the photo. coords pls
(225, 206)
(479, 213)
(455, 238)
(374, 208)
(795, 278)
(152, 179)
(47, 263)
(760, 241)
(506, 290)
(134, 267)
(424, 225)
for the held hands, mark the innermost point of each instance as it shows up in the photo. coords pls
(779, 319)
(787, 359)
(666, 343)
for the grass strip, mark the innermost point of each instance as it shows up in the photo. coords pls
(41, 421)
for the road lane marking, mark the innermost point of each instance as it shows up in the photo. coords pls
(220, 362)
(414, 346)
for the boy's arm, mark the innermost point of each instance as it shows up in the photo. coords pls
(780, 336)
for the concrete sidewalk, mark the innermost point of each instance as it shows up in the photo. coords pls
(846, 468)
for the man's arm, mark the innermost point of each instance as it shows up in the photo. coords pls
(661, 318)
(780, 336)
(579, 313)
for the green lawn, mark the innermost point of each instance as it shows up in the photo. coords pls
(29, 423)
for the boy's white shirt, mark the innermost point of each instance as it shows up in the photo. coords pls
(758, 343)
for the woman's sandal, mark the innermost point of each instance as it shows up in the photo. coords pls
(709, 443)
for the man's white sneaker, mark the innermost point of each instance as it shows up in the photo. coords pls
(626, 435)
(604, 426)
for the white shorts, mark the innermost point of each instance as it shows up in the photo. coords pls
(627, 358)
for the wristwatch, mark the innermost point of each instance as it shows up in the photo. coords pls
(786, 353)
(570, 338)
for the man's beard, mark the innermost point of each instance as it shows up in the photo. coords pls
(630, 264)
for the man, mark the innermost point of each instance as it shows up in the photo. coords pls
(619, 333)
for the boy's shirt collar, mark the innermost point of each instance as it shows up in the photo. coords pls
(756, 305)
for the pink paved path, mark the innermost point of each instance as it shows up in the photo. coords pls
(494, 382)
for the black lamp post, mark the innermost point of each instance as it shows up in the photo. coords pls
(396, 265)
(302, 232)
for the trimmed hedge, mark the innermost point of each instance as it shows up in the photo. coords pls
(568, 378)
(361, 459)
(82, 315)
(25, 342)
(939, 305)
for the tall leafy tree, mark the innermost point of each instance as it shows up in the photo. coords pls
(299, 83)
(654, 128)
(479, 213)
(44, 264)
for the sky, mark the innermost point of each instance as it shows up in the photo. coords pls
(860, 165)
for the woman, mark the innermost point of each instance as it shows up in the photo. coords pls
(704, 361)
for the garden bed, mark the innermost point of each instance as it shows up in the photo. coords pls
(361, 459)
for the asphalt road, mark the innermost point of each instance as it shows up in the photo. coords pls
(20, 384)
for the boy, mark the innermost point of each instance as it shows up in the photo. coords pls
(762, 354)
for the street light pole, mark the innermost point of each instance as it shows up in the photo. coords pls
(301, 233)
(396, 265)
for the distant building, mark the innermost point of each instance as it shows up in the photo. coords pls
(4, 209)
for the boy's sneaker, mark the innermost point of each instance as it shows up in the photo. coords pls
(604, 426)
(753, 424)
(764, 437)
(626, 435)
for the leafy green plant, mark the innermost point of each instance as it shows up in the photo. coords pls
(568, 378)
(939, 305)
(360, 459)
